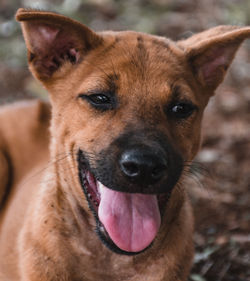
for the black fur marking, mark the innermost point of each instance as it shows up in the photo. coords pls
(109, 173)
(111, 82)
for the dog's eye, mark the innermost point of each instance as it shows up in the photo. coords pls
(181, 110)
(99, 101)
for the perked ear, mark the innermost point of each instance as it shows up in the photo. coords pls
(211, 52)
(53, 39)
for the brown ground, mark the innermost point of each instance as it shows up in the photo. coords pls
(220, 189)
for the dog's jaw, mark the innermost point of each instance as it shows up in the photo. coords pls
(107, 231)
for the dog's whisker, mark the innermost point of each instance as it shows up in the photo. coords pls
(197, 168)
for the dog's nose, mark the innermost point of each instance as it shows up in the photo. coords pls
(143, 165)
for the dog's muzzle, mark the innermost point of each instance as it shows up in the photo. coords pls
(127, 188)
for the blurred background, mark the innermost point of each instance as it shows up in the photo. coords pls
(219, 189)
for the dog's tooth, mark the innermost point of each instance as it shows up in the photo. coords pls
(99, 186)
(89, 196)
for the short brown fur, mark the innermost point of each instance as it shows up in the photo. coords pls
(47, 230)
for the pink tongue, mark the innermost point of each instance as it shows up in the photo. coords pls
(131, 220)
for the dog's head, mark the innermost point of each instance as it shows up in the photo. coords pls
(127, 110)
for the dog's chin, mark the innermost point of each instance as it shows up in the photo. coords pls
(92, 189)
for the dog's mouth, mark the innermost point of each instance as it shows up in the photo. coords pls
(127, 223)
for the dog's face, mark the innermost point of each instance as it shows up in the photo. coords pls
(127, 109)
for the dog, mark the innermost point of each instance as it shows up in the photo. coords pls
(92, 185)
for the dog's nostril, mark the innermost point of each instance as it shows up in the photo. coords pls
(130, 169)
(158, 171)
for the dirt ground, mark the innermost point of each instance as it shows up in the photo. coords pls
(219, 188)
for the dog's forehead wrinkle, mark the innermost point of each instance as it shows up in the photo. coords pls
(139, 49)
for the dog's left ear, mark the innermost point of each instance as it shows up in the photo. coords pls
(211, 52)
(54, 40)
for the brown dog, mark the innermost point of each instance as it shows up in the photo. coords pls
(126, 115)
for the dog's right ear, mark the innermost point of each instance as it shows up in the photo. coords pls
(53, 40)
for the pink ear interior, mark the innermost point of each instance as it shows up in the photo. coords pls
(215, 63)
(50, 47)
(41, 36)
(46, 32)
